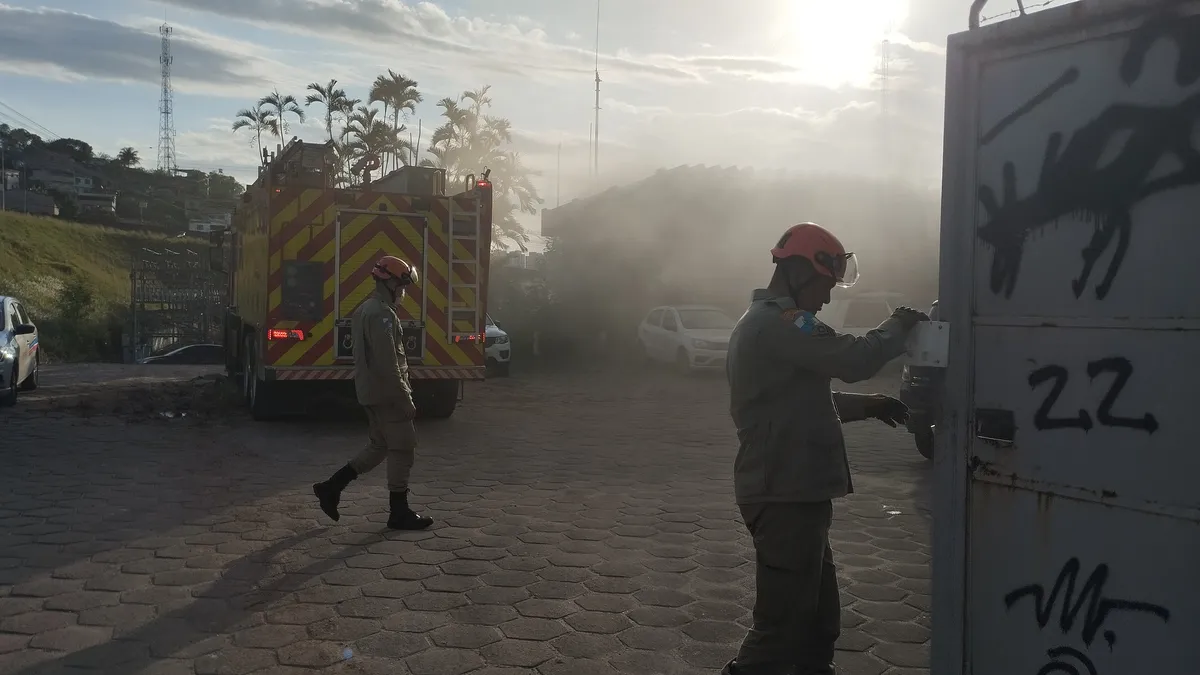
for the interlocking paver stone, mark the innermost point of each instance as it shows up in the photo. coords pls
(438, 661)
(466, 637)
(570, 539)
(532, 629)
(392, 645)
(521, 653)
(605, 623)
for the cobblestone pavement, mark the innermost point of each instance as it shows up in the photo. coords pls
(584, 525)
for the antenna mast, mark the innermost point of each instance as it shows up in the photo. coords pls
(596, 123)
(166, 107)
(885, 66)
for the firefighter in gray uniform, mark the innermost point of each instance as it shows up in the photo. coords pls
(792, 462)
(381, 383)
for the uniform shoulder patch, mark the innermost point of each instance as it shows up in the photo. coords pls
(808, 323)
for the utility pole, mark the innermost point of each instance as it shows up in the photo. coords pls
(885, 140)
(4, 179)
(596, 124)
(558, 178)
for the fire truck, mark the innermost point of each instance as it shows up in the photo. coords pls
(300, 261)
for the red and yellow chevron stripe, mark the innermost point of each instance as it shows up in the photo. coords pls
(308, 224)
(346, 373)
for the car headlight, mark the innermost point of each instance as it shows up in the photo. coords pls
(502, 340)
(701, 344)
(8, 351)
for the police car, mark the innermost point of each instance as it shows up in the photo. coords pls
(19, 358)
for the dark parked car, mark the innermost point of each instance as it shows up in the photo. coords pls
(190, 355)
(921, 391)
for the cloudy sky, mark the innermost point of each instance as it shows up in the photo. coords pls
(774, 84)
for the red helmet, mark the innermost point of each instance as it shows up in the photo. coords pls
(818, 245)
(391, 267)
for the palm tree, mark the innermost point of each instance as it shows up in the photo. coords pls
(128, 157)
(256, 119)
(480, 101)
(399, 95)
(470, 140)
(404, 97)
(381, 92)
(329, 96)
(366, 135)
(279, 106)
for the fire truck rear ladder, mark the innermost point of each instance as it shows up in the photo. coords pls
(464, 225)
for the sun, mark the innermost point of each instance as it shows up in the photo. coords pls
(836, 42)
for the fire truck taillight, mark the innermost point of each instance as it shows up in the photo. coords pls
(482, 337)
(483, 184)
(285, 334)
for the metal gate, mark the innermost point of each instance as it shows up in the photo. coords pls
(1068, 519)
(176, 298)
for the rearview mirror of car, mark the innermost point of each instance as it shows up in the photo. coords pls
(25, 329)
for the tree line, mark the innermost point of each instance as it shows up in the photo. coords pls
(467, 140)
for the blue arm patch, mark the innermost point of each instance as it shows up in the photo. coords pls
(806, 322)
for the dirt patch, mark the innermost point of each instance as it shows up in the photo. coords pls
(203, 399)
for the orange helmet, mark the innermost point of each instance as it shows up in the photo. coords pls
(391, 267)
(818, 245)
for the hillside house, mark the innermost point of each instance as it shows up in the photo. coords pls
(61, 173)
(99, 204)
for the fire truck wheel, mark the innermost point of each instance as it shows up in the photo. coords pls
(232, 355)
(247, 367)
(259, 394)
(435, 399)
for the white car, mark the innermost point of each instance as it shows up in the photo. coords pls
(858, 313)
(19, 358)
(496, 346)
(692, 337)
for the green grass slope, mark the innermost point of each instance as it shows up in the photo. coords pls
(73, 279)
(39, 255)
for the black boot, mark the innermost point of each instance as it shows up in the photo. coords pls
(402, 517)
(330, 492)
(732, 668)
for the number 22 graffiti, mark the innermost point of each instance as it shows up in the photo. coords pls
(1117, 365)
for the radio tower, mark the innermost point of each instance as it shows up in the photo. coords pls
(166, 106)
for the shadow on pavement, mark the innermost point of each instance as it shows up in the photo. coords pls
(231, 599)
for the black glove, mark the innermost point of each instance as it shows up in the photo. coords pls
(909, 316)
(886, 409)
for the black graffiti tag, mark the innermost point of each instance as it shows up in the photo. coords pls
(1090, 602)
(1074, 183)
(1087, 605)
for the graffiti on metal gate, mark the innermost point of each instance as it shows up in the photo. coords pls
(1075, 183)
(1084, 607)
(1118, 366)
